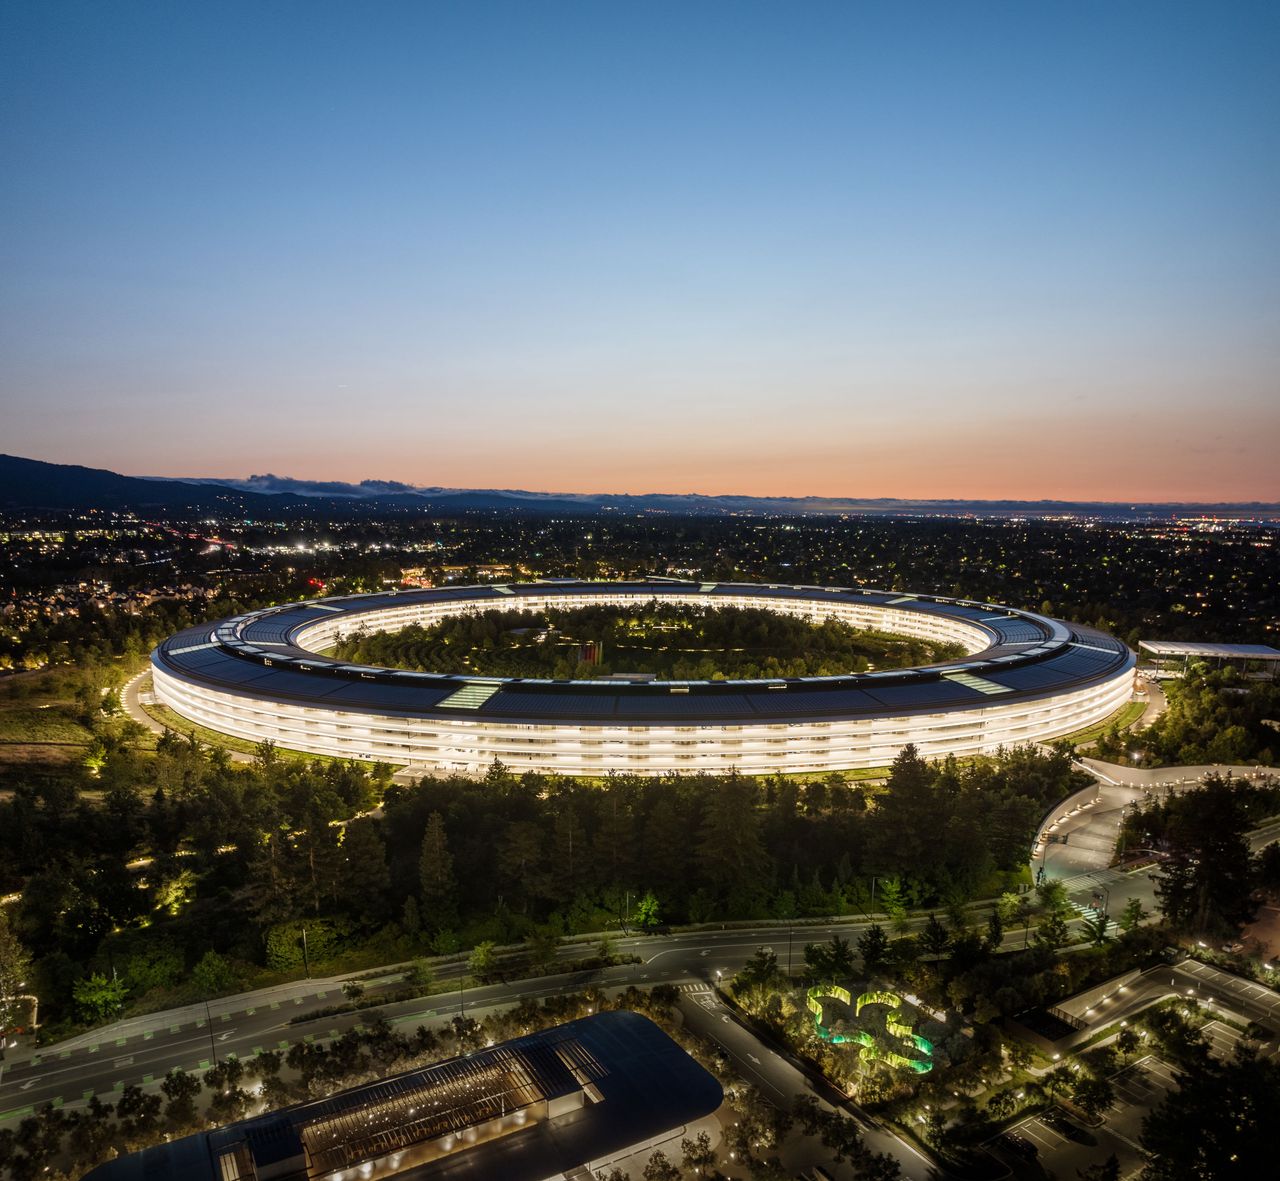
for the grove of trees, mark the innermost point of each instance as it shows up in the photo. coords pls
(669, 640)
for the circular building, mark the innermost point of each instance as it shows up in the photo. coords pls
(1026, 678)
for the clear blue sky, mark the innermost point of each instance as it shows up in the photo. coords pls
(972, 249)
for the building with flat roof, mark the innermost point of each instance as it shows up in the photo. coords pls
(533, 1108)
(1171, 658)
(1025, 678)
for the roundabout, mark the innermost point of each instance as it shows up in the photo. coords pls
(1023, 678)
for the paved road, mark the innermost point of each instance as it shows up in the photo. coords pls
(780, 1081)
(1090, 829)
(142, 1049)
(1157, 703)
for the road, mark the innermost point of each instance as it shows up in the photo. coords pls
(779, 1080)
(142, 1049)
(1091, 830)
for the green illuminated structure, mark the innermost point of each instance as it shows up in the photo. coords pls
(894, 1025)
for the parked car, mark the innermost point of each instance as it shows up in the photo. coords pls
(1019, 1144)
(1065, 1127)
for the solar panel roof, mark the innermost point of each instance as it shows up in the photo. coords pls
(1212, 651)
(1039, 657)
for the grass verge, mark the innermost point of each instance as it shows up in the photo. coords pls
(180, 725)
(1122, 719)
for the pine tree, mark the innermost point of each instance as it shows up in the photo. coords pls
(366, 880)
(732, 857)
(435, 872)
(873, 946)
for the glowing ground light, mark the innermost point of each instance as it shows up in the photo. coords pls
(894, 1024)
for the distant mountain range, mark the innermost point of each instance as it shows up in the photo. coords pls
(33, 484)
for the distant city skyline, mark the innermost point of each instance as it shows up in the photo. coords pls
(984, 251)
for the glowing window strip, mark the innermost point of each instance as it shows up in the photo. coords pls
(1091, 647)
(192, 648)
(971, 682)
(471, 696)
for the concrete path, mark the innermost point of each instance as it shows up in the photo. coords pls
(1155, 778)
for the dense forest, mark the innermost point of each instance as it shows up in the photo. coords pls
(1214, 716)
(669, 640)
(187, 868)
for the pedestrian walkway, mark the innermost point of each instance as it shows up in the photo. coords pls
(1093, 879)
(1090, 914)
(1149, 778)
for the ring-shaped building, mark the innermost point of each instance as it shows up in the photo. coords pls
(1026, 678)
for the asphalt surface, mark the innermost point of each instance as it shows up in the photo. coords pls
(143, 1049)
(781, 1081)
(1066, 1147)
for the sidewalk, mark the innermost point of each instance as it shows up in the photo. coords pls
(1155, 777)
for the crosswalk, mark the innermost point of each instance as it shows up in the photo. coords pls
(1088, 912)
(1096, 877)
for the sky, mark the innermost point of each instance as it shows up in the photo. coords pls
(917, 249)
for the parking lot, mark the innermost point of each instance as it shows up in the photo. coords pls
(1065, 1149)
(1065, 1145)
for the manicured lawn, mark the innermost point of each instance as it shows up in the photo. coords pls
(49, 722)
(1122, 719)
(166, 717)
